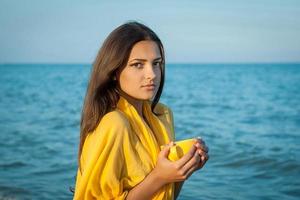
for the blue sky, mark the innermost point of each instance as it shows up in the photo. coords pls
(195, 31)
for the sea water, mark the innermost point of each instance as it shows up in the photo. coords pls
(248, 115)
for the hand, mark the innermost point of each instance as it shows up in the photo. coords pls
(168, 171)
(202, 149)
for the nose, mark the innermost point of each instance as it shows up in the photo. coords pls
(150, 72)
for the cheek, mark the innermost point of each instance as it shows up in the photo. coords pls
(129, 81)
(158, 75)
(123, 80)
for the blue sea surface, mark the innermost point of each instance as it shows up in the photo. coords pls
(248, 115)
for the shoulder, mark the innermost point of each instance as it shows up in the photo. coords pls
(114, 118)
(112, 132)
(164, 113)
(162, 109)
(113, 129)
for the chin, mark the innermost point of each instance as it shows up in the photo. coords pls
(144, 96)
(147, 97)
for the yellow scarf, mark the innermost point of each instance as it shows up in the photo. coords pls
(122, 151)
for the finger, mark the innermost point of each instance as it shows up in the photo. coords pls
(203, 161)
(192, 163)
(165, 152)
(201, 152)
(201, 164)
(202, 147)
(182, 161)
(203, 155)
(171, 143)
(166, 149)
(206, 157)
(200, 140)
(190, 171)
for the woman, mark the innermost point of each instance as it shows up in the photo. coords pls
(123, 125)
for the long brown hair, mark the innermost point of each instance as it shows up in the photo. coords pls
(102, 94)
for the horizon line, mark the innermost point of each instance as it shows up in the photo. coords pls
(169, 63)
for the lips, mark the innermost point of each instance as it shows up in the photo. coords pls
(149, 86)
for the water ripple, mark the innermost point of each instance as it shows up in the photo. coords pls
(248, 115)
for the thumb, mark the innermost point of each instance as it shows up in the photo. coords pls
(166, 150)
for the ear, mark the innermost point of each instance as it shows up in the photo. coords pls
(116, 75)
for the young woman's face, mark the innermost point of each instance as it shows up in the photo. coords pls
(141, 76)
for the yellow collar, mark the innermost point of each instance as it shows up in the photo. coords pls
(151, 137)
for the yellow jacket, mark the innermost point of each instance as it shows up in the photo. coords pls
(122, 151)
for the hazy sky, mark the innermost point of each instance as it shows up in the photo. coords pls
(72, 31)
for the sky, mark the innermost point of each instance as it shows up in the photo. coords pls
(192, 31)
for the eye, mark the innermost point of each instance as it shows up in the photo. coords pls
(157, 64)
(138, 65)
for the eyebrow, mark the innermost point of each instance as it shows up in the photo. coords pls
(144, 60)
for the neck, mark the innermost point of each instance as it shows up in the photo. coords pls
(136, 103)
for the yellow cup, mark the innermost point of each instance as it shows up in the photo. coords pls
(180, 149)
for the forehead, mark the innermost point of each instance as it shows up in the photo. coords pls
(145, 50)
